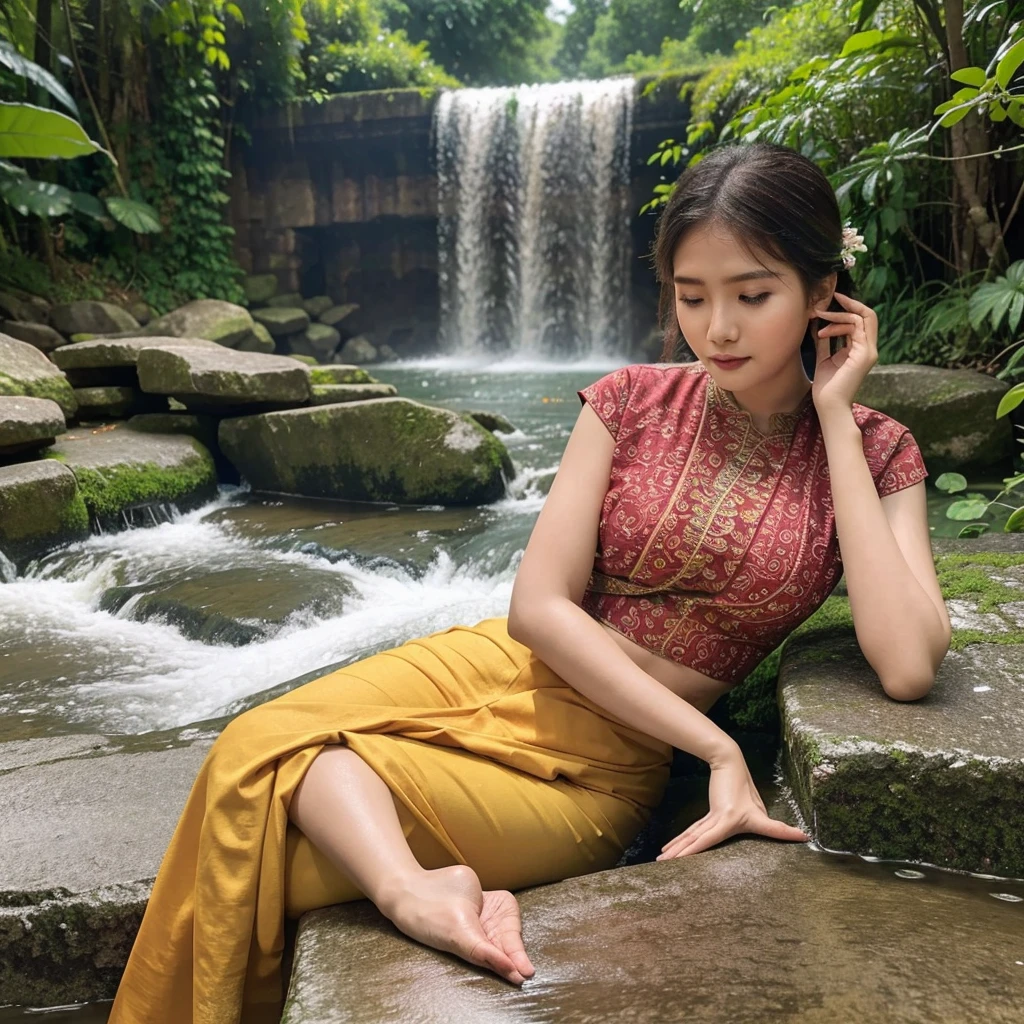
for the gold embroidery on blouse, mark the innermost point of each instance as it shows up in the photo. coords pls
(671, 503)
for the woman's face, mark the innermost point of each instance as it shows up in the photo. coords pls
(760, 319)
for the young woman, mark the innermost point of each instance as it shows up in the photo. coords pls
(435, 777)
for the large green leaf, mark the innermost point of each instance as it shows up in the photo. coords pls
(1010, 400)
(28, 131)
(20, 65)
(42, 198)
(138, 216)
(88, 204)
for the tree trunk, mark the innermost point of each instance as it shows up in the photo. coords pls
(981, 242)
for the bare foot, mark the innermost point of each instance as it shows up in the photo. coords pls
(446, 908)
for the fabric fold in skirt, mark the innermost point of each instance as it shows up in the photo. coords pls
(493, 761)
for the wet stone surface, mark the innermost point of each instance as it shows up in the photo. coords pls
(751, 932)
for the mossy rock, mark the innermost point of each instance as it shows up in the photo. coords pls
(951, 413)
(24, 370)
(90, 317)
(317, 304)
(259, 288)
(258, 340)
(331, 394)
(342, 373)
(40, 509)
(282, 320)
(28, 423)
(220, 379)
(382, 449)
(939, 779)
(213, 319)
(491, 420)
(122, 469)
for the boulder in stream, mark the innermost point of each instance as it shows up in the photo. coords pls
(951, 413)
(119, 470)
(491, 420)
(941, 779)
(235, 606)
(24, 370)
(219, 379)
(381, 449)
(27, 424)
(40, 509)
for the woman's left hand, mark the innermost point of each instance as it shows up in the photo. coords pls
(837, 377)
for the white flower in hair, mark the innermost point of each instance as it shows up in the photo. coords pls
(852, 242)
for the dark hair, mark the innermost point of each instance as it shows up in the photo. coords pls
(776, 201)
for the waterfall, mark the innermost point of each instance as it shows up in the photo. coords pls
(534, 213)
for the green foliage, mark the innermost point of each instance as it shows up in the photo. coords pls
(193, 259)
(480, 42)
(31, 132)
(717, 26)
(988, 93)
(630, 30)
(999, 299)
(350, 51)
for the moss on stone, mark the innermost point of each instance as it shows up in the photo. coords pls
(56, 388)
(969, 817)
(323, 375)
(109, 491)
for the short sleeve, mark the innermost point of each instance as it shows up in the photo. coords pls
(890, 450)
(904, 467)
(609, 397)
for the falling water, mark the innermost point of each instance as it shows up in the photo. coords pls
(533, 231)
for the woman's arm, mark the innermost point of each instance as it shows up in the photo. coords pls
(545, 612)
(898, 612)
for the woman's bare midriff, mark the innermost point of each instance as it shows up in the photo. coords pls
(694, 687)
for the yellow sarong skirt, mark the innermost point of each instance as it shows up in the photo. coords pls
(493, 759)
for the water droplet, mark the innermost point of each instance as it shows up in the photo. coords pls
(908, 873)
(1008, 897)
(982, 689)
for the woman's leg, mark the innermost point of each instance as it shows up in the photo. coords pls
(348, 812)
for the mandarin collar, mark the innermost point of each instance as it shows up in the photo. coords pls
(782, 424)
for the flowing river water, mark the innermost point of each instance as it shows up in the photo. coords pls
(295, 585)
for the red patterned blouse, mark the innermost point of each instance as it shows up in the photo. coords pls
(716, 540)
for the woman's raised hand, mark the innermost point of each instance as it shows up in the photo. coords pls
(736, 807)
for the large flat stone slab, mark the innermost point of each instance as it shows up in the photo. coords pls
(747, 933)
(24, 370)
(939, 780)
(40, 509)
(118, 469)
(28, 423)
(74, 884)
(379, 449)
(218, 378)
(117, 352)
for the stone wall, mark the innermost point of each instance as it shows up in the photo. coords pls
(341, 199)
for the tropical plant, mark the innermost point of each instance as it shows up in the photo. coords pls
(31, 132)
